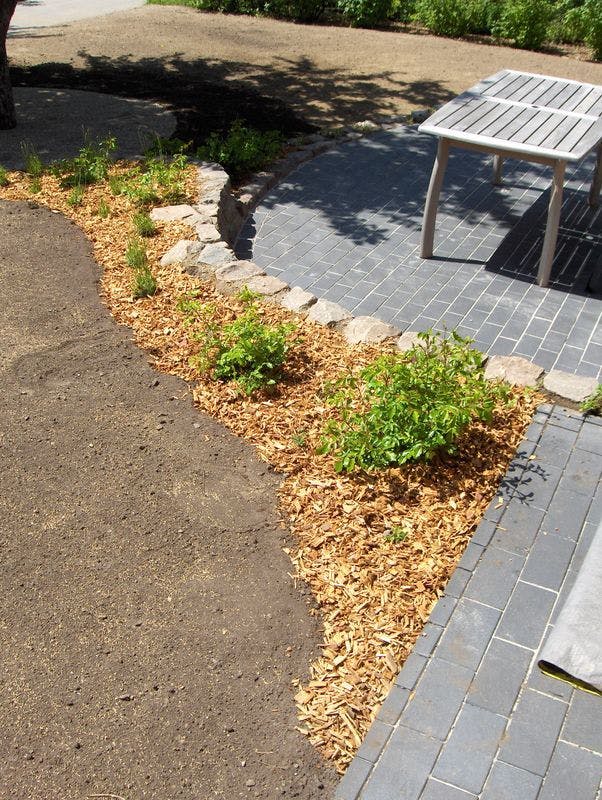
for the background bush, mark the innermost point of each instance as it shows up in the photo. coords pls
(367, 13)
(524, 22)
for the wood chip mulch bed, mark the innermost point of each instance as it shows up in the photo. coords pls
(373, 595)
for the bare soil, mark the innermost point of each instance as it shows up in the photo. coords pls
(213, 68)
(149, 627)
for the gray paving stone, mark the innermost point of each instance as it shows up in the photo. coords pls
(484, 533)
(467, 634)
(411, 671)
(393, 705)
(511, 783)
(499, 677)
(457, 582)
(532, 733)
(573, 773)
(352, 781)
(583, 724)
(471, 556)
(565, 419)
(495, 577)
(582, 472)
(518, 528)
(466, 757)
(590, 439)
(375, 740)
(567, 512)
(403, 768)
(548, 561)
(427, 641)
(555, 445)
(437, 699)
(525, 618)
(435, 790)
(543, 683)
(443, 610)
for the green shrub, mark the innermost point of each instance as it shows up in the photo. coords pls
(243, 150)
(3, 176)
(135, 255)
(452, 17)
(592, 15)
(89, 166)
(593, 404)
(103, 210)
(247, 351)
(404, 10)
(567, 23)
(366, 13)
(409, 407)
(144, 284)
(144, 224)
(524, 22)
(35, 185)
(76, 195)
(159, 179)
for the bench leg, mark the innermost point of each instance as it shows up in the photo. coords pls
(432, 199)
(594, 192)
(549, 242)
(498, 163)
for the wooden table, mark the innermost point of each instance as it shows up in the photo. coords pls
(519, 115)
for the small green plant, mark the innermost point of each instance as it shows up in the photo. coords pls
(144, 224)
(399, 533)
(242, 150)
(145, 283)
(159, 179)
(34, 165)
(524, 22)
(76, 195)
(593, 404)
(246, 351)
(366, 13)
(300, 439)
(35, 185)
(3, 176)
(135, 255)
(103, 210)
(162, 147)
(116, 184)
(409, 407)
(90, 165)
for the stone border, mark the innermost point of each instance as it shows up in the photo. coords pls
(219, 216)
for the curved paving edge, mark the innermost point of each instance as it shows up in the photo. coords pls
(218, 218)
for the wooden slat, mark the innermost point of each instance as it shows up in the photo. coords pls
(531, 86)
(547, 98)
(456, 112)
(523, 135)
(537, 92)
(547, 126)
(573, 138)
(511, 122)
(565, 98)
(484, 125)
(512, 88)
(586, 102)
(552, 139)
(506, 80)
(478, 121)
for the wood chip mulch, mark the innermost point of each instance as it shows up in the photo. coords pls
(373, 595)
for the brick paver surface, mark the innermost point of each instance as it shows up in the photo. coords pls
(346, 226)
(470, 716)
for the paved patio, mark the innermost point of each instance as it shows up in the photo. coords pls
(470, 715)
(346, 226)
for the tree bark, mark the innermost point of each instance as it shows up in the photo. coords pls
(8, 118)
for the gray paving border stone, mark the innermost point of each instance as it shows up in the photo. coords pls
(505, 729)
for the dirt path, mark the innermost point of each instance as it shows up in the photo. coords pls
(149, 630)
(324, 75)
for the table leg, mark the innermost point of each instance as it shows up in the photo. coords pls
(549, 242)
(594, 192)
(432, 199)
(498, 163)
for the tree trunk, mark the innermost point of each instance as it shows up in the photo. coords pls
(8, 117)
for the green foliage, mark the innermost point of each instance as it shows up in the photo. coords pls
(246, 351)
(159, 179)
(103, 210)
(144, 284)
(524, 22)
(409, 407)
(3, 176)
(366, 13)
(593, 404)
(162, 147)
(34, 165)
(76, 195)
(404, 10)
(135, 255)
(144, 224)
(243, 150)
(452, 17)
(90, 165)
(35, 185)
(399, 533)
(592, 17)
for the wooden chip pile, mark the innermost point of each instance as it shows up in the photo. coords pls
(373, 595)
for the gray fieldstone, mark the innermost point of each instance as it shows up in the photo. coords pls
(207, 232)
(181, 252)
(572, 387)
(365, 126)
(207, 212)
(326, 313)
(407, 340)
(298, 300)
(229, 278)
(369, 330)
(181, 213)
(217, 253)
(514, 370)
(267, 286)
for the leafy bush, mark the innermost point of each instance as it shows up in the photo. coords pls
(366, 13)
(410, 407)
(452, 17)
(592, 16)
(243, 150)
(567, 23)
(89, 166)
(246, 351)
(404, 10)
(525, 22)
